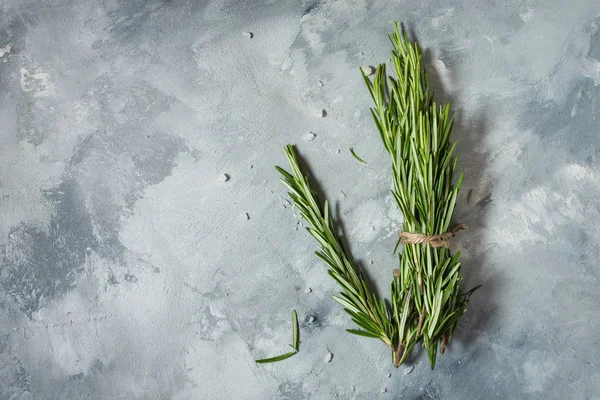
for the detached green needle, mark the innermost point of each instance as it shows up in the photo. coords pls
(295, 343)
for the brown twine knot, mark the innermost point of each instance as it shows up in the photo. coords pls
(440, 240)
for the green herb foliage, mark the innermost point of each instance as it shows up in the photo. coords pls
(357, 157)
(425, 300)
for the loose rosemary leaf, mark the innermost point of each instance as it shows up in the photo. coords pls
(357, 157)
(295, 331)
(295, 343)
(276, 358)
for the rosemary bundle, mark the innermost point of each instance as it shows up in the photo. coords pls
(426, 302)
(416, 134)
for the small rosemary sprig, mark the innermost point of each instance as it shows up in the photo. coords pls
(365, 309)
(371, 314)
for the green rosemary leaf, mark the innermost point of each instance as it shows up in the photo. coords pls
(276, 358)
(368, 84)
(345, 303)
(364, 321)
(341, 281)
(295, 343)
(431, 348)
(357, 157)
(405, 314)
(437, 308)
(470, 292)
(286, 176)
(454, 315)
(295, 331)
(396, 246)
(362, 333)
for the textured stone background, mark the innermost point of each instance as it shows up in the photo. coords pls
(128, 270)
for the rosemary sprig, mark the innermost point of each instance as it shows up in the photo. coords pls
(365, 309)
(295, 343)
(373, 316)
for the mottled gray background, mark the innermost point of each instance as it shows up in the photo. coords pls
(128, 268)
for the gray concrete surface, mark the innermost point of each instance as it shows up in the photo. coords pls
(129, 270)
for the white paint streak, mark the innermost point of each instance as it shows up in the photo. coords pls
(591, 69)
(537, 371)
(364, 217)
(23, 200)
(527, 15)
(445, 17)
(5, 50)
(36, 82)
